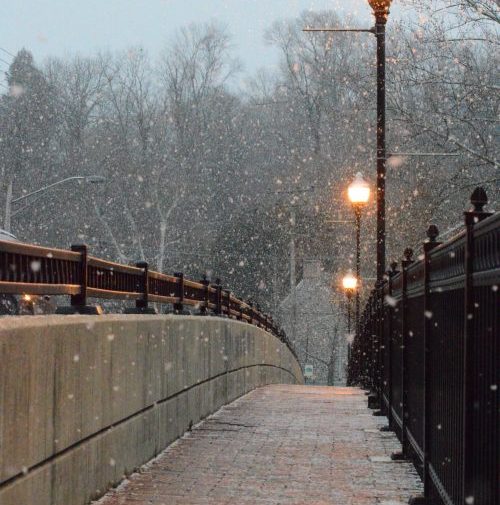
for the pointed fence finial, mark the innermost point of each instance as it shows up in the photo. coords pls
(408, 254)
(432, 233)
(479, 199)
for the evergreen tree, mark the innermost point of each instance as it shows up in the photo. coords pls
(27, 127)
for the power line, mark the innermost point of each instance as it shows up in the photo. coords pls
(7, 52)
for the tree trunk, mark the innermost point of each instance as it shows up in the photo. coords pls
(163, 238)
(8, 208)
(331, 368)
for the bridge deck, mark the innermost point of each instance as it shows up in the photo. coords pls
(286, 445)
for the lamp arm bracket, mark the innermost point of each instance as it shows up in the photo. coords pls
(342, 30)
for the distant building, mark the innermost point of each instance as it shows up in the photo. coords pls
(316, 326)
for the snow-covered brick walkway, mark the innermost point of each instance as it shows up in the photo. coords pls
(286, 445)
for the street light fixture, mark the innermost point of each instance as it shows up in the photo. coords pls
(91, 179)
(95, 179)
(359, 190)
(349, 283)
(359, 195)
(380, 9)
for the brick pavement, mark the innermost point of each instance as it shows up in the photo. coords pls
(279, 445)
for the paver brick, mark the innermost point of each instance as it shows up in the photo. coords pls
(279, 445)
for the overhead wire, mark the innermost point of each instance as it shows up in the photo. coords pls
(3, 85)
(7, 52)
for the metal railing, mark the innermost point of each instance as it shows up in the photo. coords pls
(34, 270)
(429, 349)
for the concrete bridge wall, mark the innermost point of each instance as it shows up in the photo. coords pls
(85, 400)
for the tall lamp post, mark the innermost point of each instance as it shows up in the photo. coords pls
(381, 12)
(359, 194)
(350, 285)
(91, 179)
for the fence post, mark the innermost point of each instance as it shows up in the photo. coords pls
(379, 349)
(429, 245)
(373, 402)
(206, 295)
(408, 255)
(141, 305)
(362, 360)
(478, 199)
(372, 397)
(218, 304)
(390, 319)
(246, 311)
(179, 306)
(79, 301)
(373, 343)
(262, 322)
(258, 315)
(227, 292)
(367, 348)
(255, 319)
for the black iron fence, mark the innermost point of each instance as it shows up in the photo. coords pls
(28, 269)
(429, 349)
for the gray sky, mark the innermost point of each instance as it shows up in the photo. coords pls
(62, 27)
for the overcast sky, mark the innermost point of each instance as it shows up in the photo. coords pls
(62, 27)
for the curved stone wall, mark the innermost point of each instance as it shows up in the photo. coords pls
(85, 400)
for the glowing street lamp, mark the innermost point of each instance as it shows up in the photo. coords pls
(359, 190)
(350, 284)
